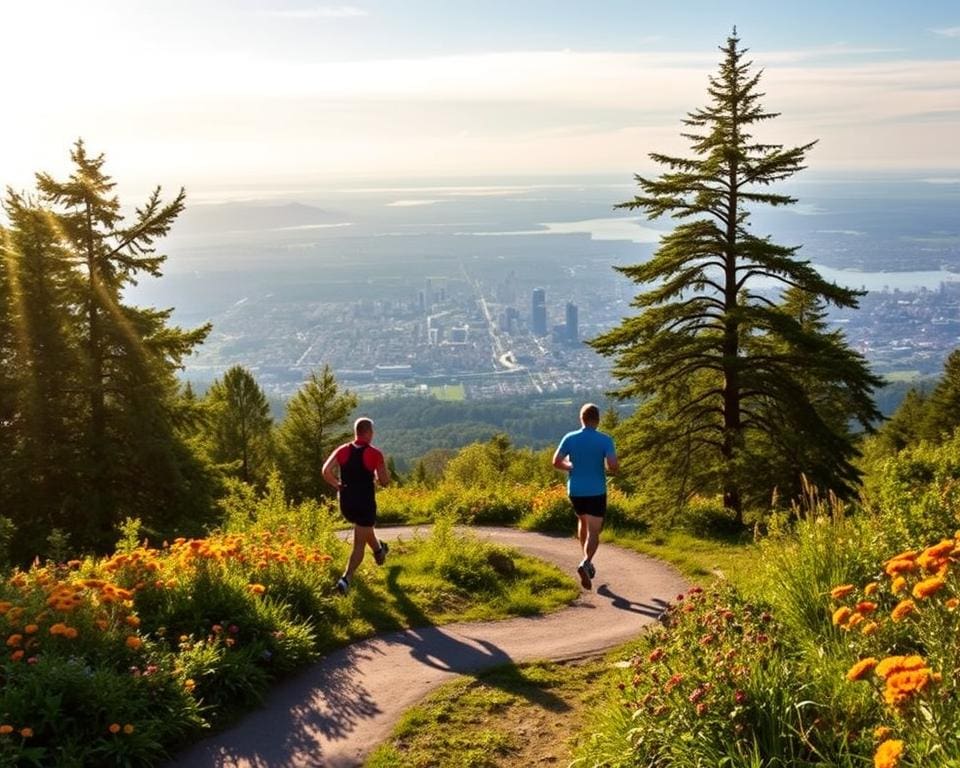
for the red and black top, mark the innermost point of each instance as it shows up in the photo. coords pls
(358, 461)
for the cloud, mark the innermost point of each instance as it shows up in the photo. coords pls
(318, 12)
(948, 32)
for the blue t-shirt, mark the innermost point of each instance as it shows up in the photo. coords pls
(587, 448)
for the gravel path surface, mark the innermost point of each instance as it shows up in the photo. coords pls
(337, 711)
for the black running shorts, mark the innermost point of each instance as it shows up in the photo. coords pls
(365, 517)
(590, 505)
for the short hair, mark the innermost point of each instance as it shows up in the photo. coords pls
(590, 413)
(363, 426)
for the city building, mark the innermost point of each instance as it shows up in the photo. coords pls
(538, 313)
(572, 317)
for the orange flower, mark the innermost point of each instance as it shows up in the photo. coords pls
(893, 664)
(898, 585)
(4, 607)
(904, 608)
(31, 629)
(257, 589)
(942, 549)
(903, 684)
(854, 620)
(869, 628)
(838, 593)
(190, 684)
(128, 729)
(888, 754)
(26, 732)
(861, 668)
(114, 728)
(871, 588)
(16, 655)
(70, 633)
(865, 606)
(14, 640)
(928, 587)
(134, 642)
(952, 604)
(132, 621)
(5, 729)
(900, 565)
(881, 732)
(841, 615)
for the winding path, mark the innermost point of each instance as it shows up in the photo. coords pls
(336, 712)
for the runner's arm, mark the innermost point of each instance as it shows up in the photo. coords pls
(332, 480)
(383, 474)
(613, 464)
(560, 460)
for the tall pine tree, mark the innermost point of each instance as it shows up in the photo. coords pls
(713, 355)
(135, 464)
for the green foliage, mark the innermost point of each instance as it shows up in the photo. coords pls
(238, 425)
(718, 684)
(90, 406)
(729, 379)
(916, 495)
(314, 424)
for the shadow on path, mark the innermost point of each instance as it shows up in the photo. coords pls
(654, 610)
(323, 704)
(433, 647)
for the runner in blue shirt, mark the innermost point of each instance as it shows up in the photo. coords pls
(588, 456)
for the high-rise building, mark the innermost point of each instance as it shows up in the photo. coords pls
(538, 313)
(573, 319)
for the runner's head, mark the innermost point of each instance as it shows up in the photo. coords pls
(589, 415)
(363, 428)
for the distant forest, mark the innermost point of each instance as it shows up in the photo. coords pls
(409, 427)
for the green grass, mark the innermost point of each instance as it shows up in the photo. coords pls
(509, 716)
(446, 577)
(449, 392)
(698, 558)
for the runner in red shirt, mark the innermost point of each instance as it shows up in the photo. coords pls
(352, 469)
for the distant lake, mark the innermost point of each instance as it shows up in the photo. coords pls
(629, 228)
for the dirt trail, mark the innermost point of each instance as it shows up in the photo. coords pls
(337, 711)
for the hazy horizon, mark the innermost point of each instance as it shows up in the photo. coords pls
(222, 94)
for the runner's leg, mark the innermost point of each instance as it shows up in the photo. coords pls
(362, 535)
(591, 524)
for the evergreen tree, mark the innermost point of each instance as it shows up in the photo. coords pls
(714, 355)
(239, 424)
(943, 406)
(316, 421)
(136, 463)
(43, 451)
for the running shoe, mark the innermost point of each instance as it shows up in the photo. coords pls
(583, 570)
(343, 585)
(381, 554)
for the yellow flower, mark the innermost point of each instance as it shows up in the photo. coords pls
(838, 593)
(881, 732)
(871, 588)
(904, 608)
(898, 585)
(888, 754)
(841, 615)
(128, 729)
(860, 669)
(869, 628)
(189, 684)
(928, 587)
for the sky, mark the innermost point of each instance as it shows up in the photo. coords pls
(225, 93)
